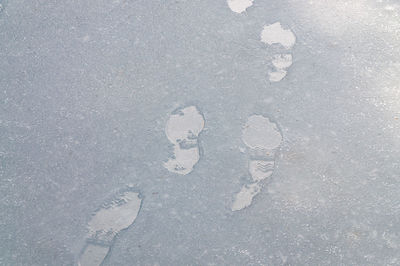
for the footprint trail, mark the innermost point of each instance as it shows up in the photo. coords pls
(262, 139)
(273, 34)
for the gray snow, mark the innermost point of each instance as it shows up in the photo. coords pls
(87, 89)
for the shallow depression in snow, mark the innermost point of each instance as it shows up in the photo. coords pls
(182, 130)
(276, 34)
(106, 223)
(262, 138)
(239, 6)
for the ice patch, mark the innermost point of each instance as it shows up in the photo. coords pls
(182, 130)
(106, 223)
(239, 6)
(274, 33)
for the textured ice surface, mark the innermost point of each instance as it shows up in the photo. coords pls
(86, 89)
(182, 129)
(276, 34)
(239, 6)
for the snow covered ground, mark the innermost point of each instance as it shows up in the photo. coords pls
(229, 132)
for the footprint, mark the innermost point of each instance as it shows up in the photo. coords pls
(276, 34)
(271, 34)
(262, 139)
(281, 63)
(105, 225)
(182, 130)
(239, 6)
